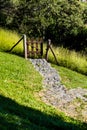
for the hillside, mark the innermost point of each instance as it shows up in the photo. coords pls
(65, 57)
(20, 106)
(54, 95)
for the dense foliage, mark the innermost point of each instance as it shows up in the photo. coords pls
(5, 12)
(60, 20)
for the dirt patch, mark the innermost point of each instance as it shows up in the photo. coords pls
(76, 109)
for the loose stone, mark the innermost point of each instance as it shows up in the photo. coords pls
(55, 93)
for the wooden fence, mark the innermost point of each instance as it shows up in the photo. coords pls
(31, 47)
(34, 48)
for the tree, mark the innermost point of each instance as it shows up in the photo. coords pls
(59, 20)
(32, 16)
(6, 9)
(68, 22)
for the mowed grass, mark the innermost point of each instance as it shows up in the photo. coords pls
(71, 79)
(20, 106)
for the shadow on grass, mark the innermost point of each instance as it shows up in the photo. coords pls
(14, 116)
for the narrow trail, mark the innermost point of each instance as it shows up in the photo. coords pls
(56, 94)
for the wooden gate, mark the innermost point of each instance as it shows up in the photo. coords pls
(34, 48)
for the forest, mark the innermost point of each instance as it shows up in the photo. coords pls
(63, 21)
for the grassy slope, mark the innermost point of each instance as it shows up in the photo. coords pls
(71, 79)
(20, 108)
(8, 39)
(69, 59)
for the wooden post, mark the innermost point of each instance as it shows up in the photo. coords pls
(47, 49)
(25, 46)
(41, 47)
(53, 54)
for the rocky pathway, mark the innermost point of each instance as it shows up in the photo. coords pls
(54, 92)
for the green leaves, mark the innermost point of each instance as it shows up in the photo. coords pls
(55, 19)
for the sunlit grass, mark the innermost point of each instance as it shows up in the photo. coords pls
(8, 39)
(20, 106)
(70, 59)
(71, 79)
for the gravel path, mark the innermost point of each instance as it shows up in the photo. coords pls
(54, 92)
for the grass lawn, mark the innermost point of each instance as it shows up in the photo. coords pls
(20, 106)
(71, 79)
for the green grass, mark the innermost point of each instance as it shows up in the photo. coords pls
(71, 79)
(20, 106)
(69, 59)
(8, 39)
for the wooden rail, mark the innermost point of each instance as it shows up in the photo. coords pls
(34, 47)
(31, 48)
(47, 50)
(16, 44)
(24, 45)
